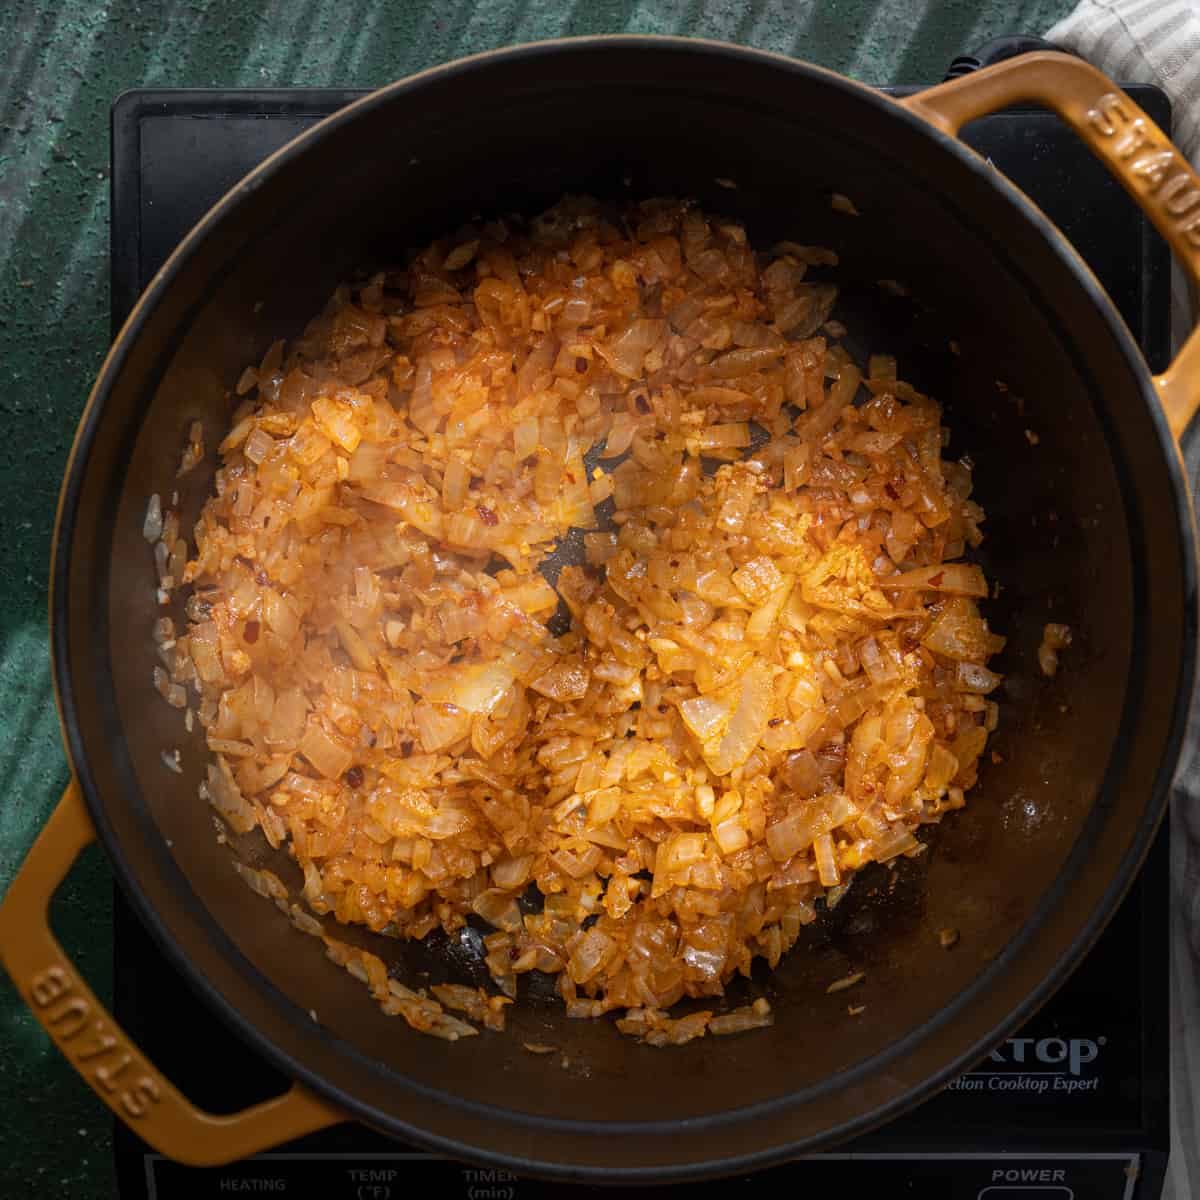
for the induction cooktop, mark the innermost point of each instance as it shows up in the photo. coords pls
(1075, 1105)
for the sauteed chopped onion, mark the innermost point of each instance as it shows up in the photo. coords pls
(768, 671)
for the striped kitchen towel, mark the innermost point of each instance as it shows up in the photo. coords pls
(1158, 41)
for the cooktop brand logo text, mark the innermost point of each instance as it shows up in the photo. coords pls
(1070, 1054)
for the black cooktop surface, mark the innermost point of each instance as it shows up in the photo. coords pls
(1075, 1105)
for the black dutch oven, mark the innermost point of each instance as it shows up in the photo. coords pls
(1053, 834)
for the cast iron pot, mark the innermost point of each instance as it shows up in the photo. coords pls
(1091, 526)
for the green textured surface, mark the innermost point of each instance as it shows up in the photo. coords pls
(60, 66)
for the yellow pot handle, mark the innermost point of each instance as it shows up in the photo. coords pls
(98, 1048)
(1127, 141)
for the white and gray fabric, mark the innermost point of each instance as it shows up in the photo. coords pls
(1158, 41)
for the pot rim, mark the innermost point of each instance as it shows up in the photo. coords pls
(260, 1040)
